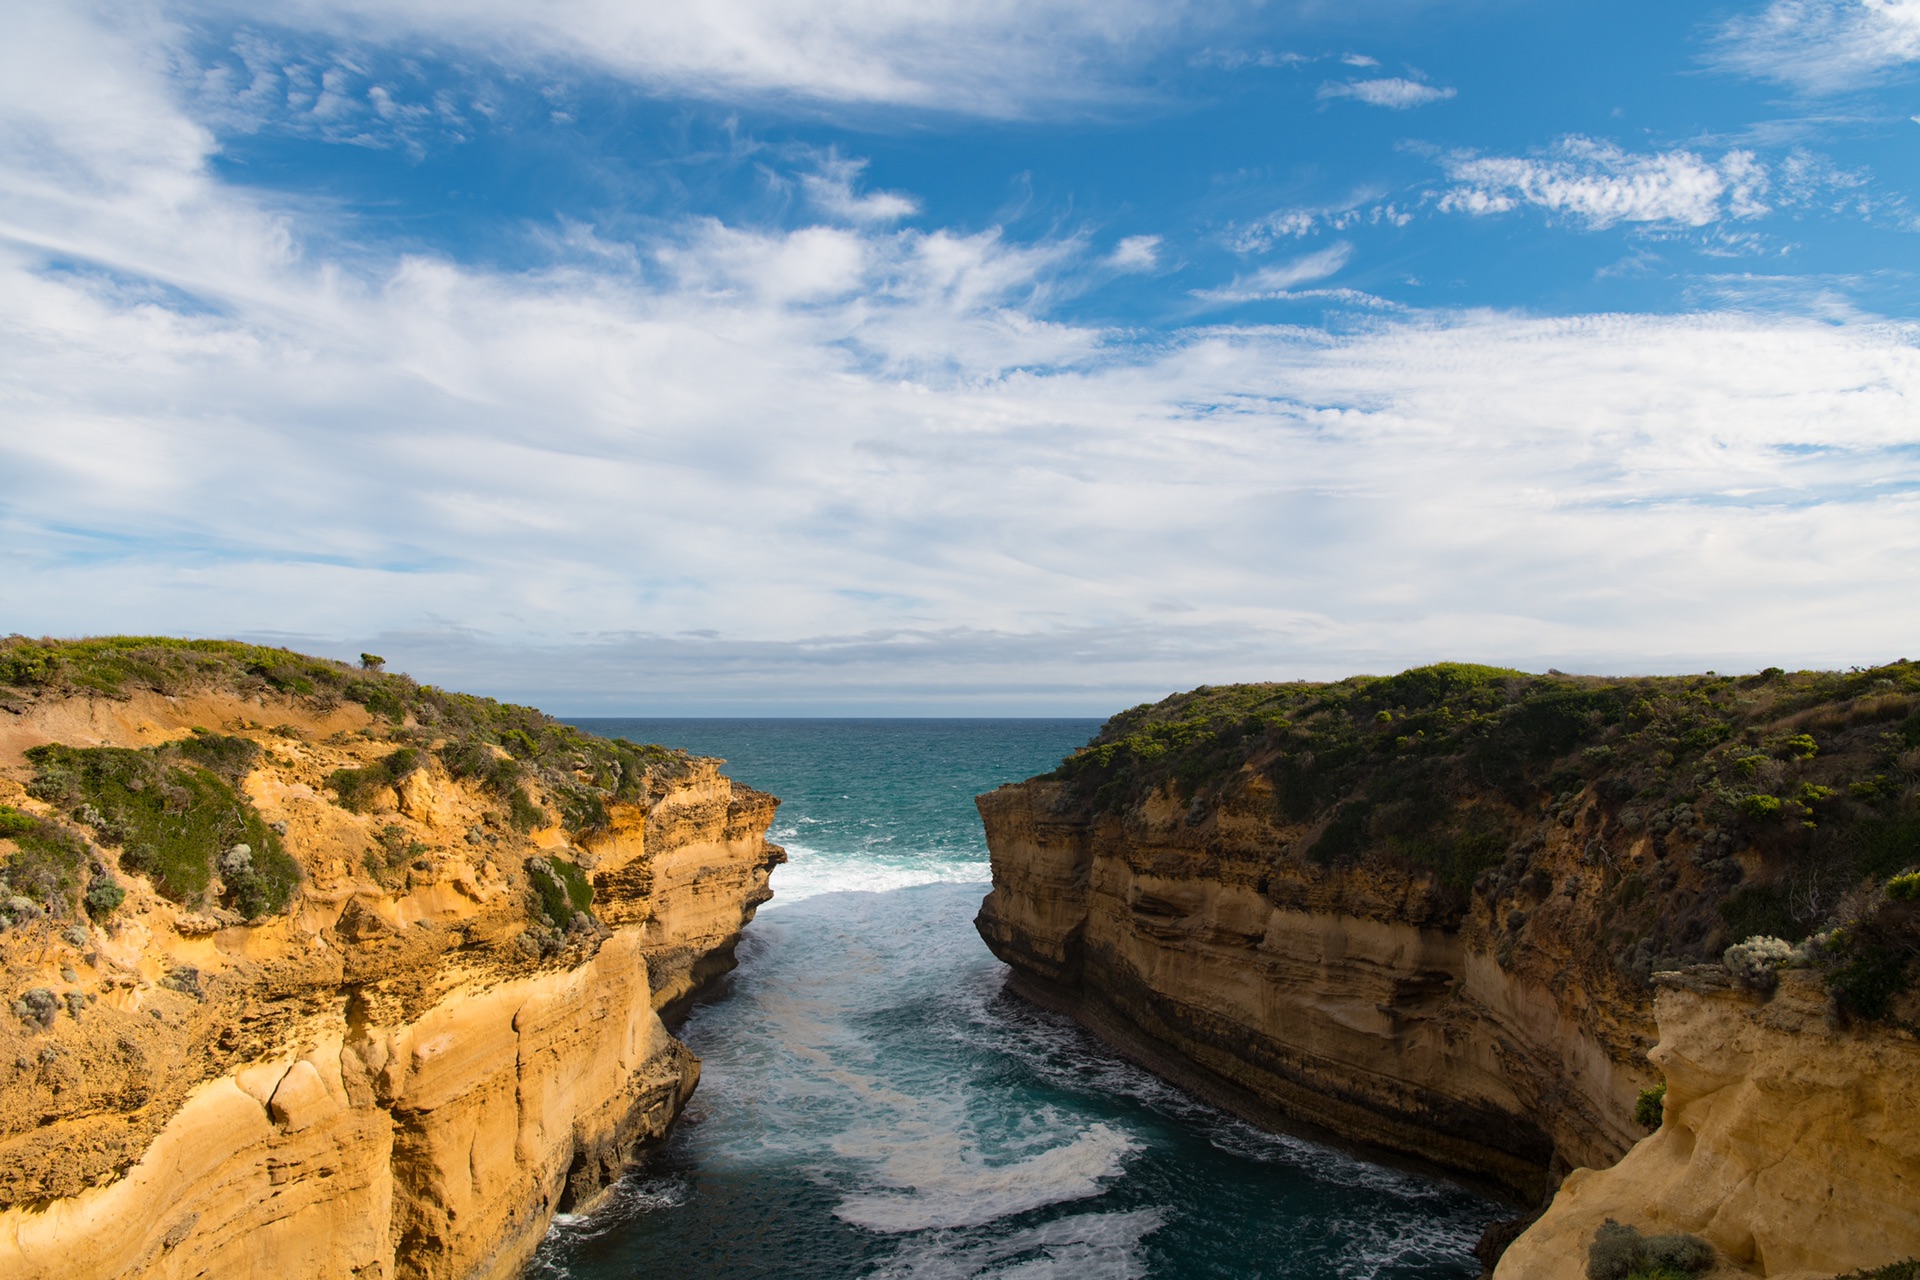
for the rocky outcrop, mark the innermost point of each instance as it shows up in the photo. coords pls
(1345, 1002)
(407, 1071)
(1790, 1143)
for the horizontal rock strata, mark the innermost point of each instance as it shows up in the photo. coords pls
(1345, 1003)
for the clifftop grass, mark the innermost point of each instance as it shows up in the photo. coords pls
(1810, 777)
(507, 748)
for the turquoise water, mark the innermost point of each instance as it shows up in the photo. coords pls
(873, 1104)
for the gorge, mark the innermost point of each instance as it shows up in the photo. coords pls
(317, 970)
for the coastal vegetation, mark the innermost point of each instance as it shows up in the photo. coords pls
(1779, 805)
(179, 812)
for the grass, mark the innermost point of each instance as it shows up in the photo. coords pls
(1768, 799)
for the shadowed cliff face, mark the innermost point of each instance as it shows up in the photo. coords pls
(449, 1032)
(1349, 1002)
(1422, 911)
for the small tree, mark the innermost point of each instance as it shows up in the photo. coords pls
(372, 661)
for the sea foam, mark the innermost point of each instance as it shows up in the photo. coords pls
(942, 1182)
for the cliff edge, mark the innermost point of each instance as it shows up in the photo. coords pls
(315, 971)
(1424, 912)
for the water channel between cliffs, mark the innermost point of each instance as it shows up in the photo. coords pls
(874, 1105)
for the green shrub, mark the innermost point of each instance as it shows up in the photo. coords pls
(1908, 1270)
(1904, 887)
(47, 863)
(1649, 1107)
(1870, 961)
(1760, 807)
(561, 887)
(523, 812)
(173, 810)
(1620, 1252)
(358, 787)
(104, 897)
(1800, 746)
(14, 823)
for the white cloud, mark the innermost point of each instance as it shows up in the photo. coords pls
(830, 190)
(1823, 46)
(997, 57)
(1360, 60)
(1277, 280)
(1389, 92)
(1598, 184)
(758, 466)
(1135, 253)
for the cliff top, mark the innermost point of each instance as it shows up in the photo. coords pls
(1788, 799)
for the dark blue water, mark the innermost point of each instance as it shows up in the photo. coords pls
(873, 1104)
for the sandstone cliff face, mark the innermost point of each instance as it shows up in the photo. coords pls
(1423, 912)
(404, 1074)
(1790, 1143)
(1343, 1000)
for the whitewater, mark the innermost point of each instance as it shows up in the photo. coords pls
(873, 1103)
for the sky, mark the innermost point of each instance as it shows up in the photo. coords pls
(991, 358)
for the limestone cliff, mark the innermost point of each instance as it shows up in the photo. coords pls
(1423, 912)
(318, 973)
(1352, 1002)
(1790, 1143)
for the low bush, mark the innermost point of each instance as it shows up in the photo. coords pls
(561, 887)
(357, 788)
(47, 865)
(1620, 1252)
(1908, 1270)
(1755, 962)
(173, 811)
(523, 812)
(1650, 1107)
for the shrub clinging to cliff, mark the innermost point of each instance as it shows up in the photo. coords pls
(174, 810)
(1620, 1252)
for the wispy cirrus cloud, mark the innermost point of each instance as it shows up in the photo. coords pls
(831, 190)
(1276, 280)
(1598, 184)
(1822, 46)
(1389, 91)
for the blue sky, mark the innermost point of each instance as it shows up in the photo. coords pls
(990, 358)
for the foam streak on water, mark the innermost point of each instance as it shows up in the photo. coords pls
(874, 1104)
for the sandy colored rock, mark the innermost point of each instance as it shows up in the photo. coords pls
(1345, 1003)
(1789, 1143)
(408, 1072)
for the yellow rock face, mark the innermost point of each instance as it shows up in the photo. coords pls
(405, 1075)
(1341, 1002)
(1789, 1144)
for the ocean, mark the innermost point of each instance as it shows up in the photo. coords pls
(874, 1104)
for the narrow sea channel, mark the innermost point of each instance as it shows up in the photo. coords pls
(874, 1105)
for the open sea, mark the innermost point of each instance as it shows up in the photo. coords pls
(873, 1104)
